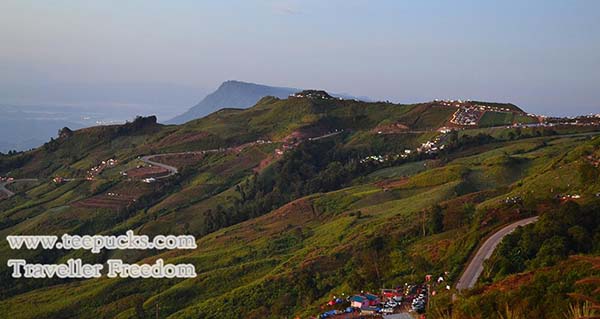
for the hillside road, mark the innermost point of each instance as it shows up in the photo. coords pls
(10, 193)
(172, 169)
(475, 267)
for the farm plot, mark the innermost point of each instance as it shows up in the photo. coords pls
(142, 172)
(106, 201)
(179, 160)
(116, 198)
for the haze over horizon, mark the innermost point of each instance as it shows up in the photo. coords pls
(157, 54)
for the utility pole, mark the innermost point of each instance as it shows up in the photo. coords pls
(423, 215)
(428, 297)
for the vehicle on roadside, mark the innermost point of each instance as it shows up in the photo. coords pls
(387, 310)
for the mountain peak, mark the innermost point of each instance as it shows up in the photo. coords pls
(240, 94)
(234, 94)
(233, 83)
(320, 94)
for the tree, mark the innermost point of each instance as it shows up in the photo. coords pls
(139, 308)
(587, 173)
(551, 252)
(436, 223)
(65, 132)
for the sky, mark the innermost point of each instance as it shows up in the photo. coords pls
(541, 55)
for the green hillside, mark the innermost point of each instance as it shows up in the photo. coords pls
(298, 200)
(508, 118)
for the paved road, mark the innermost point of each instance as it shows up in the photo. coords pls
(475, 267)
(8, 192)
(172, 169)
(4, 190)
(325, 136)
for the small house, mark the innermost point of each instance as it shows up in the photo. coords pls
(358, 302)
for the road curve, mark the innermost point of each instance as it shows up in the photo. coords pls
(5, 190)
(172, 169)
(475, 267)
(10, 193)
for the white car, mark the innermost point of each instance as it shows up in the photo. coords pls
(387, 310)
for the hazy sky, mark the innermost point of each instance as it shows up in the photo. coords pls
(542, 55)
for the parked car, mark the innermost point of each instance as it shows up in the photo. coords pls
(387, 310)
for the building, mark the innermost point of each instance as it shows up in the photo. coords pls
(358, 302)
(364, 301)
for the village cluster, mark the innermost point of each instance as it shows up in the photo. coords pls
(568, 196)
(431, 147)
(580, 118)
(469, 113)
(428, 147)
(384, 158)
(513, 200)
(595, 161)
(407, 298)
(460, 103)
(467, 116)
(314, 94)
(93, 172)
(6, 179)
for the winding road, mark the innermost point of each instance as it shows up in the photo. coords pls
(172, 169)
(475, 267)
(10, 193)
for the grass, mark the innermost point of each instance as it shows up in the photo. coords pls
(496, 119)
(286, 262)
(491, 119)
(580, 311)
(407, 169)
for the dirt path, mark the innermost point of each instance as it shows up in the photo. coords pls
(475, 267)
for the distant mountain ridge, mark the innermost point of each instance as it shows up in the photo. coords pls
(236, 94)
